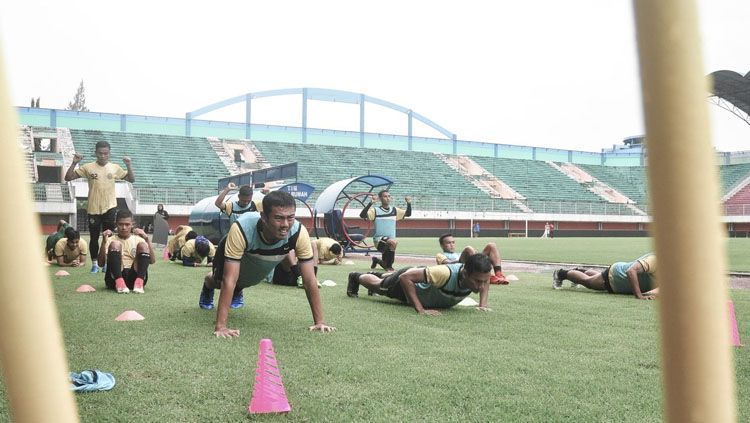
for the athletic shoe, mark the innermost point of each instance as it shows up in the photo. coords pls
(498, 278)
(556, 281)
(95, 268)
(206, 300)
(138, 286)
(238, 300)
(104, 268)
(120, 286)
(352, 287)
(375, 263)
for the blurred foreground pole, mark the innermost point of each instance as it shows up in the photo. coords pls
(31, 349)
(689, 238)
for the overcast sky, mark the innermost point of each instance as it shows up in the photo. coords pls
(543, 73)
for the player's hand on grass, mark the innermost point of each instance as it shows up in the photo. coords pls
(321, 327)
(227, 333)
(430, 312)
(646, 297)
(480, 308)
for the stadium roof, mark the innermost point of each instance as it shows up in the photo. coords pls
(732, 87)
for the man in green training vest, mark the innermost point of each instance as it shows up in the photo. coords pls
(635, 278)
(430, 288)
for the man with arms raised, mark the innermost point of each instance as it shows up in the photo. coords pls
(243, 204)
(255, 244)
(102, 201)
(384, 219)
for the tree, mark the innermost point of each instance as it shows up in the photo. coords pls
(79, 101)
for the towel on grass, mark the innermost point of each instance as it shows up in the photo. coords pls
(91, 380)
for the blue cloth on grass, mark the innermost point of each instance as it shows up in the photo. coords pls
(91, 380)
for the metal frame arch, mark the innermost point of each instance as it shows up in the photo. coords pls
(320, 94)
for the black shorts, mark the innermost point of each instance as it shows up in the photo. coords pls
(391, 287)
(128, 274)
(104, 221)
(283, 277)
(607, 285)
(382, 244)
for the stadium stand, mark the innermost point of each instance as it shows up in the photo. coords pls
(733, 174)
(177, 169)
(418, 174)
(546, 189)
(186, 166)
(629, 180)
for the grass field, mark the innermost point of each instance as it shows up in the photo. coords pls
(541, 355)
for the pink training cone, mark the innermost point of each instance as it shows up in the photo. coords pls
(129, 315)
(735, 332)
(165, 255)
(62, 273)
(269, 395)
(85, 288)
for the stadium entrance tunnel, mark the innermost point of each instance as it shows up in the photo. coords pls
(334, 202)
(207, 220)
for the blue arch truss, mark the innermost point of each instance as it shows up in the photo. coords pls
(320, 94)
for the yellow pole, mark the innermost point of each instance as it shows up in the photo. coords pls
(683, 181)
(31, 349)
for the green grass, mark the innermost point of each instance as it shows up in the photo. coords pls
(541, 355)
(602, 251)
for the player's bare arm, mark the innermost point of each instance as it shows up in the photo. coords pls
(141, 233)
(313, 297)
(71, 172)
(222, 195)
(228, 283)
(130, 177)
(407, 280)
(102, 257)
(632, 273)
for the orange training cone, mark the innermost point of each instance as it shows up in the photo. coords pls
(269, 395)
(129, 315)
(735, 332)
(85, 288)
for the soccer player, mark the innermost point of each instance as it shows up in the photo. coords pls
(243, 204)
(127, 254)
(197, 249)
(52, 239)
(71, 250)
(450, 256)
(255, 244)
(429, 288)
(102, 200)
(327, 251)
(384, 218)
(174, 246)
(635, 278)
